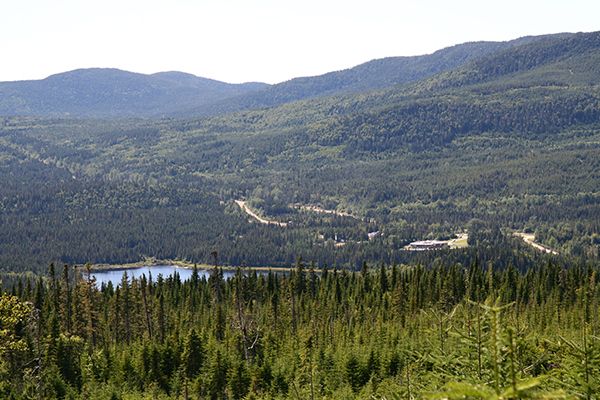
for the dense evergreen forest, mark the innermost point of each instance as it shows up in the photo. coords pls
(439, 331)
(504, 138)
(350, 167)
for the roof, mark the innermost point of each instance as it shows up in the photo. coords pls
(429, 243)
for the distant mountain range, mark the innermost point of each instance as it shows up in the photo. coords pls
(372, 75)
(100, 92)
(114, 93)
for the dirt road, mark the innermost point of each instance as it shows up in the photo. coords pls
(529, 238)
(242, 204)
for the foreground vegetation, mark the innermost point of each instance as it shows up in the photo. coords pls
(507, 142)
(442, 331)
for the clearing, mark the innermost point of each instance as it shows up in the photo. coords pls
(529, 238)
(321, 210)
(460, 242)
(242, 204)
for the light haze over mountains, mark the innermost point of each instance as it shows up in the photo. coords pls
(100, 92)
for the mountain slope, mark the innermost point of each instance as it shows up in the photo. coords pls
(373, 75)
(100, 92)
(113, 93)
(518, 147)
(572, 50)
(535, 89)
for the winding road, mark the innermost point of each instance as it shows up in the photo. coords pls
(242, 204)
(529, 238)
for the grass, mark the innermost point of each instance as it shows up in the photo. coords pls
(459, 243)
(148, 262)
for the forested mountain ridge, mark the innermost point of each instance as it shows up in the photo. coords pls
(539, 87)
(106, 92)
(372, 75)
(567, 51)
(509, 152)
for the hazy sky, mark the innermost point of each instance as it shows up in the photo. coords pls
(259, 40)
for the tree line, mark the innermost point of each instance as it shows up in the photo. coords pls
(446, 330)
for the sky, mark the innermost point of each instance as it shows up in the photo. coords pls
(259, 40)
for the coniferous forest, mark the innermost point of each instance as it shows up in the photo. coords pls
(448, 331)
(322, 183)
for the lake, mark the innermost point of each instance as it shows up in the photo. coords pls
(115, 275)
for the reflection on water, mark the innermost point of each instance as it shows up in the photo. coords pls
(116, 275)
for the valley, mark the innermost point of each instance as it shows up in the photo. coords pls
(362, 234)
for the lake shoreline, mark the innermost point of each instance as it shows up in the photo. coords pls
(150, 262)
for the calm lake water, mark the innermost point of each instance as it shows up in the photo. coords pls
(116, 275)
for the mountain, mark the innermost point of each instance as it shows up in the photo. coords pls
(114, 93)
(99, 92)
(562, 59)
(372, 75)
(537, 88)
